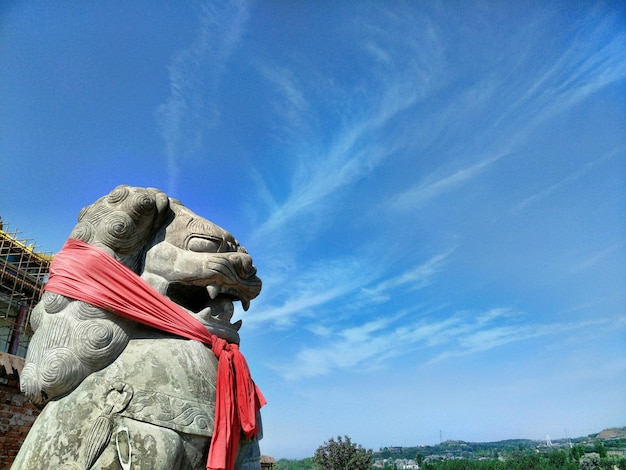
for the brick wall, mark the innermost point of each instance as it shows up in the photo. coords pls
(17, 414)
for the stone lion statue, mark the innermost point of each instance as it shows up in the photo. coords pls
(121, 393)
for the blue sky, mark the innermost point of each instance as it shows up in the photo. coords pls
(433, 193)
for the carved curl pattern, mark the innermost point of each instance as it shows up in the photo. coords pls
(97, 342)
(116, 230)
(123, 220)
(141, 205)
(63, 370)
(85, 311)
(36, 316)
(29, 384)
(54, 303)
(118, 195)
(83, 231)
(71, 343)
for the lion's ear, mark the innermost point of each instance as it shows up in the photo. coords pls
(162, 206)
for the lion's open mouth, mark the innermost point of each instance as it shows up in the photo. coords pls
(208, 303)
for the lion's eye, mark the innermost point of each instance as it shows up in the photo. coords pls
(203, 245)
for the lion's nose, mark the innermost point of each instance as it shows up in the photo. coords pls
(243, 266)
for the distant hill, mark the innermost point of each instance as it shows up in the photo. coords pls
(611, 433)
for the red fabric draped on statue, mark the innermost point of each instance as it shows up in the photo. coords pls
(84, 272)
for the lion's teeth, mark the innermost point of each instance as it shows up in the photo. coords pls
(245, 303)
(237, 325)
(205, 312)
(213, 291)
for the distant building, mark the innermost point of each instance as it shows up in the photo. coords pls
(23, 273)
(400, 464)
(267, 462)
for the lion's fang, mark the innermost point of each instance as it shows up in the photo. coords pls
(213, 291)
(245, 303)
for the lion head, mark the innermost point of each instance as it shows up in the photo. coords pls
(184, 257)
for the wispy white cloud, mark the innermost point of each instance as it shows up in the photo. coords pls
(330, 284)
(584, 68)
(412, 279)
(380, 54)
(291, 104)
(351, 157)
(350, 348)
(308, 292)
(195, 74)
(574, 77)
(460, 334)
(592, 61)
(365, 346)
(480, 340)
(434, 186)
(544, 193)
(401, 71)
(594, 258)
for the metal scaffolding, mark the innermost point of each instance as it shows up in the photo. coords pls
(23, 273)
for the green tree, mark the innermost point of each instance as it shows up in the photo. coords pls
(590, 462)
(577, 452)
(557, 459)
(342, 454)
(599, 448)
(285, 464)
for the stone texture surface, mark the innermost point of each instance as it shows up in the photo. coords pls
(119, 395)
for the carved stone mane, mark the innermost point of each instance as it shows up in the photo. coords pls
(75, 339)
(102, 375)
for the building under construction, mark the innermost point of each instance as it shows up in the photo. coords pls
(23, 273)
